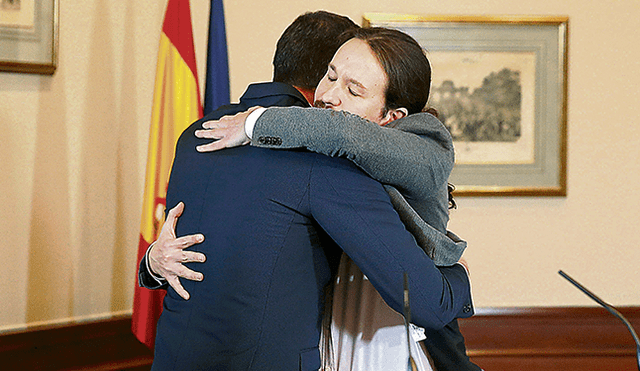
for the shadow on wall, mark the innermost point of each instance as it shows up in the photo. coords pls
(85, 219)
(128, 202)
(50, 273)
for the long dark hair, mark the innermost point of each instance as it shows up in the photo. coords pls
(405, 63)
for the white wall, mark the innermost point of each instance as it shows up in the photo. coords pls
(73, 155)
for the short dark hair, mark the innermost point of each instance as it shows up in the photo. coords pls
(405, 63)
(306, 47)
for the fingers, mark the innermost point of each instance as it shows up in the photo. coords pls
(175, 283)
(210, 147)
(225, 122)
(189, 274)
(172, 217)
(213, 124)
(187, 241)
(177, 210)
(167, 256)
(221, 135)
(213, 133)
(172, 265)
(228, 121)
(226, 137)
(193, 257)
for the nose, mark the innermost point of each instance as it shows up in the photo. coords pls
(331, 97)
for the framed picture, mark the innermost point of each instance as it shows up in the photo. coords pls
(499, 84)
(29, 36)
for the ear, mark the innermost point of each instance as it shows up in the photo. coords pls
(394, 114)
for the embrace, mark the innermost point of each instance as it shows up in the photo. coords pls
(293, 249)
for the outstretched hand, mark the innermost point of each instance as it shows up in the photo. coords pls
(167, 256)
(228, 132)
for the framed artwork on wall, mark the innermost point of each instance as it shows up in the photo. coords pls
(29, 36)
(499, 84)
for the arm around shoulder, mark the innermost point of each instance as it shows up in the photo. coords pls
(414, 154)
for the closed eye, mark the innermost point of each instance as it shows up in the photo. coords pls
(331, 73)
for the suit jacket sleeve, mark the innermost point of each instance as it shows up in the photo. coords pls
(356, 213)
(415, 161)
(144, 276)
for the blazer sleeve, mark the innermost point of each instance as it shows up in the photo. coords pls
(415, 159)
(356, 213)
(414, 155)
(145, 279)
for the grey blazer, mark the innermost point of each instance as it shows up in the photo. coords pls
(412, 157)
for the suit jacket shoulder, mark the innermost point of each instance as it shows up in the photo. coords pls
(265, 94)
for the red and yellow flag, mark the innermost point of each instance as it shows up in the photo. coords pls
(176, 104)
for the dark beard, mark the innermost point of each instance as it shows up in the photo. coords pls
(319, 104)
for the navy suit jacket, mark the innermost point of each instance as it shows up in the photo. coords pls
(270, 219)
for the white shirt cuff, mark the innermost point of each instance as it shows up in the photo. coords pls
(250, 122)
(160, 280)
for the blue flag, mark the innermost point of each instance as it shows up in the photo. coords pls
(216, 92)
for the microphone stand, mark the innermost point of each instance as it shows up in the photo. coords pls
(407, 319)
(609, 308)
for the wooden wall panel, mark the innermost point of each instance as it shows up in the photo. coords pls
(529, 339)
(551, 339)
(103, 345)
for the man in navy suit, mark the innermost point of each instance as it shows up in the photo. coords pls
(266, 216)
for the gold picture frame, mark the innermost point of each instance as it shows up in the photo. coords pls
(29, 36)
(500, 85)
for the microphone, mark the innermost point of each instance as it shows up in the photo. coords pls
(609, 308)
(407, 319)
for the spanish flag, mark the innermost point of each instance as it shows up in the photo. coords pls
(176, 104)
